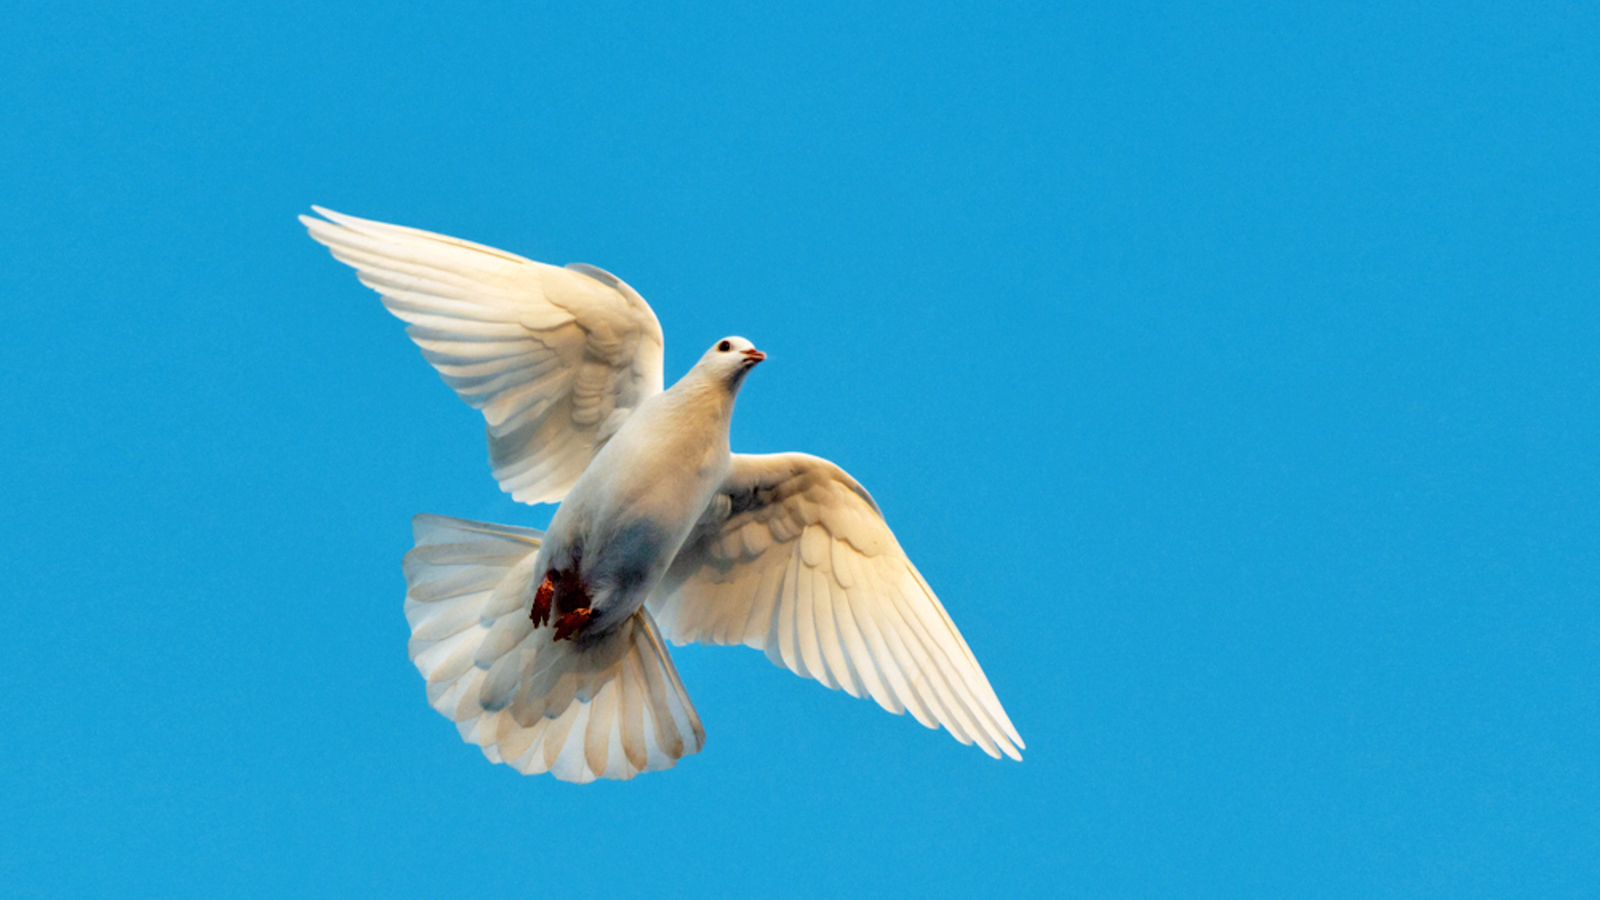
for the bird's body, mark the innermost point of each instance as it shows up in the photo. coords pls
(546, 648)
(621, 525)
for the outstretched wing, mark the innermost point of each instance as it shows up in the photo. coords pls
(793, 557)
(555, 358)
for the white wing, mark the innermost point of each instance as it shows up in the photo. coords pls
(554, 358)
(793, 557)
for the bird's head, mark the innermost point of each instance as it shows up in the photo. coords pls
(729, 360)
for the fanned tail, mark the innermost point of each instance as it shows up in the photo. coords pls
(608, 708)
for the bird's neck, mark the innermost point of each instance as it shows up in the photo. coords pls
(704, 396)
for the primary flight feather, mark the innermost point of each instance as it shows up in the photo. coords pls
(546, 648)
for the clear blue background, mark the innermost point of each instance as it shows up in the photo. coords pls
(1231, 372)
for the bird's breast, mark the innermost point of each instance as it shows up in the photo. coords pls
(627, 516)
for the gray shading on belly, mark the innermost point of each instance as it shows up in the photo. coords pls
(623, 567)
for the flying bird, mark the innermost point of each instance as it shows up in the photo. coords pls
(546, 648)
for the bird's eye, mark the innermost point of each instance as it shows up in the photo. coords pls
(725, 346)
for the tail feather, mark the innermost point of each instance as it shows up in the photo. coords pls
(608, 708)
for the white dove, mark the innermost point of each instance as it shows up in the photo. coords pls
(545, 649)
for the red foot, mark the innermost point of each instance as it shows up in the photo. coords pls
(541, 600)
(572, 623)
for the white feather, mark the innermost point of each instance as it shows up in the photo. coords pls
(838, 601)
(563, 349)
(518, 695)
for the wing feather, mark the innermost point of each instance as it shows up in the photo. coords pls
(794, 558)
(549, 355)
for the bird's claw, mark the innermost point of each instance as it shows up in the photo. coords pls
(542, 599)
(573, 622)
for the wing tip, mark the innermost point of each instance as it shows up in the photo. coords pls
(332, 217)
(329, 217)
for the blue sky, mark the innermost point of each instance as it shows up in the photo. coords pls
(1231, 374)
